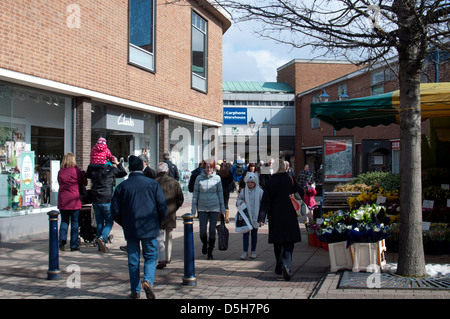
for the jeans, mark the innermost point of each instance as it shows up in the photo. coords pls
(204, 217)
(103, 219)
(246, 239)
(73, 215)
(283, 255)
(150, 254)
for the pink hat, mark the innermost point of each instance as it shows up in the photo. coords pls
(101, 140)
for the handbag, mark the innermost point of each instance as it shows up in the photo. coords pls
(222, 234)
(242, 220)
(299, 205)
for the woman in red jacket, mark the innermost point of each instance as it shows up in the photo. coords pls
(70, 177)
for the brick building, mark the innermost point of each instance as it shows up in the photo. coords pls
(376, 147)
(142, 74)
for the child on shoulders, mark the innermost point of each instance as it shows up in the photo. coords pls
(100, 154)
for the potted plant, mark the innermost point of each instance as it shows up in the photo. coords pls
(437, 239)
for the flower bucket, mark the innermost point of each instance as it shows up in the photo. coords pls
(323, 245)
(340, 256)
(368, 255)
(313, 240)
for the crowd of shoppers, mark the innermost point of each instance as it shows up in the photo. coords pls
(146, 202)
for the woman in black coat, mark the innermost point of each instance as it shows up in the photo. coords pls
(284, 230)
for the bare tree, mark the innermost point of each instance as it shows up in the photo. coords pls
(369, 31)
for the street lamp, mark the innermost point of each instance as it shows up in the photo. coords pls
(256, 128)
(324, 97)
(344, 96)
(252, 123)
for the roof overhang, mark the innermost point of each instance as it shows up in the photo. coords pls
(218, 11)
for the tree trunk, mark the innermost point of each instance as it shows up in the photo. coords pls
(411, 259)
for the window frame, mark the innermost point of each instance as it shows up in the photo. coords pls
(194, 76)
(377, 78)
(315, 121)
(136, 49)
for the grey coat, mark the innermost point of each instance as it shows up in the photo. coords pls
(208, 194)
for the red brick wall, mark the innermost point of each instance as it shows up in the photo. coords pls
(35, 39)
(305, 76)
(356, 87)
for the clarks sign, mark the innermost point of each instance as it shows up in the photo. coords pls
(123, 120)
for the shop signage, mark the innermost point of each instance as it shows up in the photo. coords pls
(395, 145)
(338, 158)
(124, 120)
(235, 115)
(27, 170)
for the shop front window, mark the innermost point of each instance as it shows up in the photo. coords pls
(34, 129)
(127, 132)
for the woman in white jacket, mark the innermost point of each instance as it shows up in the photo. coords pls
(251, 195)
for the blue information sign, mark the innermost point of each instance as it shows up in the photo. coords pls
(235, 115)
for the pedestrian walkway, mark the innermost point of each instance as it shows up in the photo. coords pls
(90, 274)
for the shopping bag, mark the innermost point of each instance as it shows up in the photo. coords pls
(222, 234)
(242, 220)
(304, 209)
(297, 204)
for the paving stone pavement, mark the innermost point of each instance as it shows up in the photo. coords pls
(89, 274)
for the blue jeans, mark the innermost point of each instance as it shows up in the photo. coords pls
(150, 254)
(246, 239)
(73, 216)
(103, 219)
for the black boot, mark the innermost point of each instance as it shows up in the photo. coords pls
(204, 240)
(211, 248)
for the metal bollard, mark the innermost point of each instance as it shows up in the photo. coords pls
(53, 256)
(189, 278)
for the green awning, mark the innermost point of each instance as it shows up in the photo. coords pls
(381, 109)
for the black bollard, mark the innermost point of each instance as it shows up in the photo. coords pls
(53, 256)
(189, 278)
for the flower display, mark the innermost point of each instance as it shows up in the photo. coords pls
(364, 224)
(437, 231)
(367, 233)
(371, 196)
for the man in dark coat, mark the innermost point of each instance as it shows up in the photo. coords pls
(284, 230)
(139, 206)
(174, 198)
(173, 170)
(148, 171)
(103, 181)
